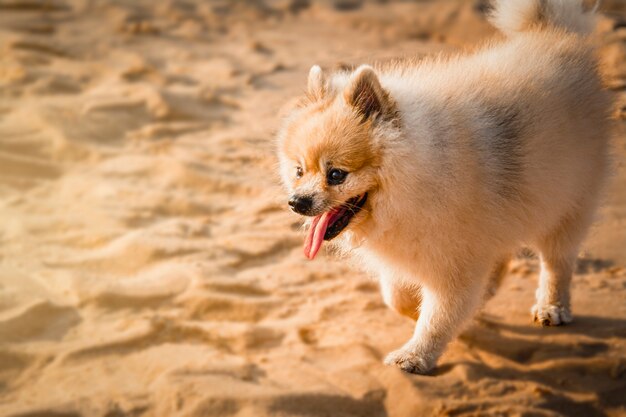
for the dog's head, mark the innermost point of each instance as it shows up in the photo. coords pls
(330, 151)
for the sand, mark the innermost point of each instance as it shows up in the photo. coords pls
(149, 265)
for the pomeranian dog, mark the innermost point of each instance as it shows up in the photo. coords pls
(433, 172)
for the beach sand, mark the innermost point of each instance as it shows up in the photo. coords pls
(149, 265)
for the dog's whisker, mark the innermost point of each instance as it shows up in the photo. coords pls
(350, 206)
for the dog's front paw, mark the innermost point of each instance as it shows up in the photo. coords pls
(551, 314)
(409, 361)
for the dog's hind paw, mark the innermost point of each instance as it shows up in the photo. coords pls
(409, 362)
(551, 314)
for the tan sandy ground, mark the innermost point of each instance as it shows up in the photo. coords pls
(148, 263)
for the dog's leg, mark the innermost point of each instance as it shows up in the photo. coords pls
(497, 275)
(558, 256)
(401, 298)
(553, 297)
(444, 309)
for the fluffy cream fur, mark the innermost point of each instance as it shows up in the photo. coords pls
(464, 159)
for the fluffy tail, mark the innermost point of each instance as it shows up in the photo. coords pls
(512, 16)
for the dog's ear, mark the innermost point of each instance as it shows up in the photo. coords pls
(367, 96)
(316, 86)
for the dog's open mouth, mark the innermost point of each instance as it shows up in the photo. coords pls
(328, 225)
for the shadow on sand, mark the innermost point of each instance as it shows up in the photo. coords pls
(578, 370)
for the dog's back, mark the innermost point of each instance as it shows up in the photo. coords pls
(516, 134)
(557, 106)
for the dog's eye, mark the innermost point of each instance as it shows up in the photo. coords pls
(299, 172)
(336, 176)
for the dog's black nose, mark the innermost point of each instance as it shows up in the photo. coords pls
(301, 204)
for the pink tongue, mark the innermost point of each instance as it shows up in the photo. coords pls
(315, 237)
